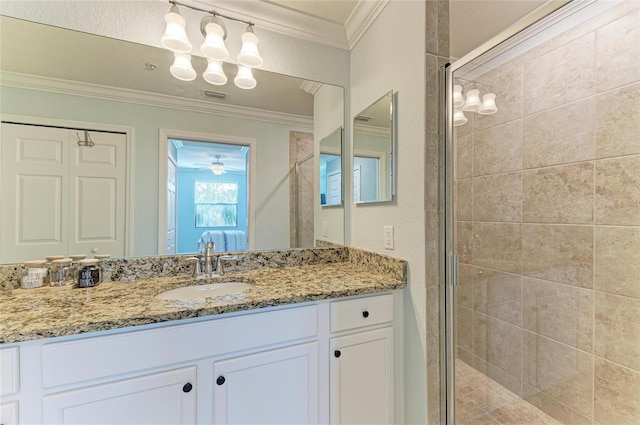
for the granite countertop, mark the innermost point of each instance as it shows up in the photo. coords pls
(30, 314)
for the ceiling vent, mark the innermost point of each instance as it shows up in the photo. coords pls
(363, 118)
(215, 95)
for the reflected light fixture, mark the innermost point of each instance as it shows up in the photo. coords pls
(458, 100)
(472, 103)
(488, 104)
(217, 167)
(458, 117)
(182, 68)
(244, 79)
(213, 48)
(214, 73)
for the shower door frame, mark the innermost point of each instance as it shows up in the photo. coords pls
(536, 22)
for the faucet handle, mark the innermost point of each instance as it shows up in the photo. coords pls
(197, 267)
(221, 260)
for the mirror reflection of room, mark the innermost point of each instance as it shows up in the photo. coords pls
(373, 152)
(66, 85)
(331, 169)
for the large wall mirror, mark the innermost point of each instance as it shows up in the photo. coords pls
(374, 151)
(170, 162)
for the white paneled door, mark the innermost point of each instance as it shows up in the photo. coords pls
(58, 197)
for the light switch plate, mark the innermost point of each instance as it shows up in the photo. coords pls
(325, 231)
(388, 237)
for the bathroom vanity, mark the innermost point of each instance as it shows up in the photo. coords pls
(318, 343)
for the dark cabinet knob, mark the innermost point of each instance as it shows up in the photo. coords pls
(337, 353)
(365, 314)
(220, 380)
(187, 387)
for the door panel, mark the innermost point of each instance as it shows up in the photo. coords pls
(58, 197)
(34, 203)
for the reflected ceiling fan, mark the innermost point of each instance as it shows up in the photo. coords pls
(216, 167)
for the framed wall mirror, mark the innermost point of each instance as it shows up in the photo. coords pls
(331, 169)
(173, 138)
(374, 151)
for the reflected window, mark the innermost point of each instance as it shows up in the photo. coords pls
(216, 204)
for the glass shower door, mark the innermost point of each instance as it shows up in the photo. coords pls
(543, 223)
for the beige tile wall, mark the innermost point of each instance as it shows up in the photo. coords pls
(548, 225)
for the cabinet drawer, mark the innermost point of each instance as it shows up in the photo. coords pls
(105, 356)
(9, 371)
(361, 312)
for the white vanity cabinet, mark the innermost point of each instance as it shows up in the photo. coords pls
(167, 397)
(362, 361)
(255, 367)
(272, 387)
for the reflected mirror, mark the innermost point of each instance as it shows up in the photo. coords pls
(170, 160)
(373, 152)
(331, 169)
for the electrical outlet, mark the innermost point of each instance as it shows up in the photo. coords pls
(325, 231)
(388, 237)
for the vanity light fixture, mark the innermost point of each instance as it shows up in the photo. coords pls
(175, 34)
(213, 48)
(217, 167)
(249, 55)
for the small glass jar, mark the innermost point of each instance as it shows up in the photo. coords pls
(61, 272)
(78, 257)
(34, 274)
(89, 273)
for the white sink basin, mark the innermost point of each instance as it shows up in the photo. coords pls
(204, 291)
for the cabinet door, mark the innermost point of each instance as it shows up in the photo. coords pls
(362, 378)
(272, 387)
(160, 398)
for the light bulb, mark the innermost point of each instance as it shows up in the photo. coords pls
(458, 117)
(175, 35)
(249, 55)
(214, 74)
(181, 68)
(244, 79)
(473, 100)
(458, 100)
(488, 104)
(213, 46)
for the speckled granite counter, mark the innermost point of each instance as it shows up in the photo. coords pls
(29, 314)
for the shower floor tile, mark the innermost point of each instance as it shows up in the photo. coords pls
(482, 401)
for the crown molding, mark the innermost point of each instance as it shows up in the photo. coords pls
(363, 15)
(75, 88)
(280, 20)
(310, 87)
(371, 130)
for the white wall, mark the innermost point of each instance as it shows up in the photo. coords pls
(391, 55)
(272, 151)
